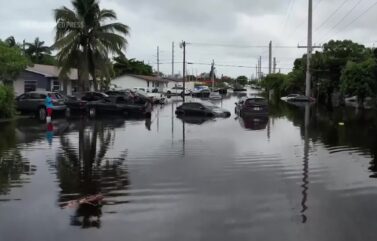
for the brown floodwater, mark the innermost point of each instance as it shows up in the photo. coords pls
(305, 173)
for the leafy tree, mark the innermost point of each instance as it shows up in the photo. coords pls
(242, 80)
(123, 66)
(359, 79)
(11, 41)
(37, 50)
(12, 62)
(274, 82)
(85, 37)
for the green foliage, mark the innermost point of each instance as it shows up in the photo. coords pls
(275, 82)
(123, 66)
(85, 37)
(242, 80)
(7, 105)
(37, 52)
(359, 79)
(12, 62)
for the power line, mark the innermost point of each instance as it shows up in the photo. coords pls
(332, 14)
(344, 17)
(361, 15)
(289, 10)
(240, 46)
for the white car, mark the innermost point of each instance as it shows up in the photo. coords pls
(157, 98)
(177, 90)
(146, 89)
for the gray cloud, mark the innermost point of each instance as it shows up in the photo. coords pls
(237, 23)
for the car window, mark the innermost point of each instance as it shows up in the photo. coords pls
(35, 96)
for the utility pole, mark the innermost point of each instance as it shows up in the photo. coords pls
(260, 68)
(256, 71)
(274, 68)
(270, 58)
(183, 45)
(309, 54)
(213, 74)
(158, 61)
(172, 60)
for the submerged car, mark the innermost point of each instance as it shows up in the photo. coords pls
(297, 98)
(115, 105)
(34, 103)
(176, 90)
(256, 106)
(201, 109)
(79, 105)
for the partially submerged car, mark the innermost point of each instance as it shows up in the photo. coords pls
(201, 109)
(34, 103)
(201, 92)
(115, 105)
(256, 106)
(176, 90)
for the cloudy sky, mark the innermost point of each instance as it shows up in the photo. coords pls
(232, 32)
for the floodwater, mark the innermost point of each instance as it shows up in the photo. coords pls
(305, 174)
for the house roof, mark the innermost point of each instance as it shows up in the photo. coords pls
(149, 78)
(51, 71)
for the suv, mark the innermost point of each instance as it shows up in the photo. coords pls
(255, 106)
(34, 102)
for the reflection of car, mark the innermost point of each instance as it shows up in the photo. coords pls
(34, 102)
(252, 106)
(195, 120)
(176, 90)
(201, 109)
(215, 96)
(254, 122)
(114, 105)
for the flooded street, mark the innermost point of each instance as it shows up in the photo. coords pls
(301, 175)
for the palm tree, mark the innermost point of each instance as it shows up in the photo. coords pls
(11, 41)
(37, 50)
(85, 38)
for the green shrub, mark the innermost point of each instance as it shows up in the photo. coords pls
(7, 103)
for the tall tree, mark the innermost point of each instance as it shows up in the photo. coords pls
(85, 38)
(36, 50)
(11, 41)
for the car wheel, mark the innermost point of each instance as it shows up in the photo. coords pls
(68, 112)
(92, 112)
(42, 113)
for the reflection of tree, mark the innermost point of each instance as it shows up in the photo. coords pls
(87, 171)
(13, 167)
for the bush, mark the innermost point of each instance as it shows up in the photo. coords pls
(7, 103)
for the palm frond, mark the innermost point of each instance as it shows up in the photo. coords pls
(115, 27)
(106, 14)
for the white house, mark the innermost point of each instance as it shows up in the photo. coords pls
(139, 81)
(173, 82)
(44, 78)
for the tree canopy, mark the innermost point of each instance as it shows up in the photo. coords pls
(123, 66)
(12, 62)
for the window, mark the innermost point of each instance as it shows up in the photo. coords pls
(30, 85)
(36, 96)
(55, 86)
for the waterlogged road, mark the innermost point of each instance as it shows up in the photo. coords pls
(299, 176)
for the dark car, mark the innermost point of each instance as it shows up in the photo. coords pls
(34, 102)
(115, 105)
(201, 109)
(256, 106)
(79, 105)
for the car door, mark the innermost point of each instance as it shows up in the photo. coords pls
(22, 102)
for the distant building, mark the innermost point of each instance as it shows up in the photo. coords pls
(130, 81)
(45, 77)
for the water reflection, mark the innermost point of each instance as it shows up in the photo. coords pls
(85, 169)
(252, 122)
(15, 170)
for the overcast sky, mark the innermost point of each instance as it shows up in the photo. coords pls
(232, 24)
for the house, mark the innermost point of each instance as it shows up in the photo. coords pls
(45, 77)
(173, 82)
(129, 81)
